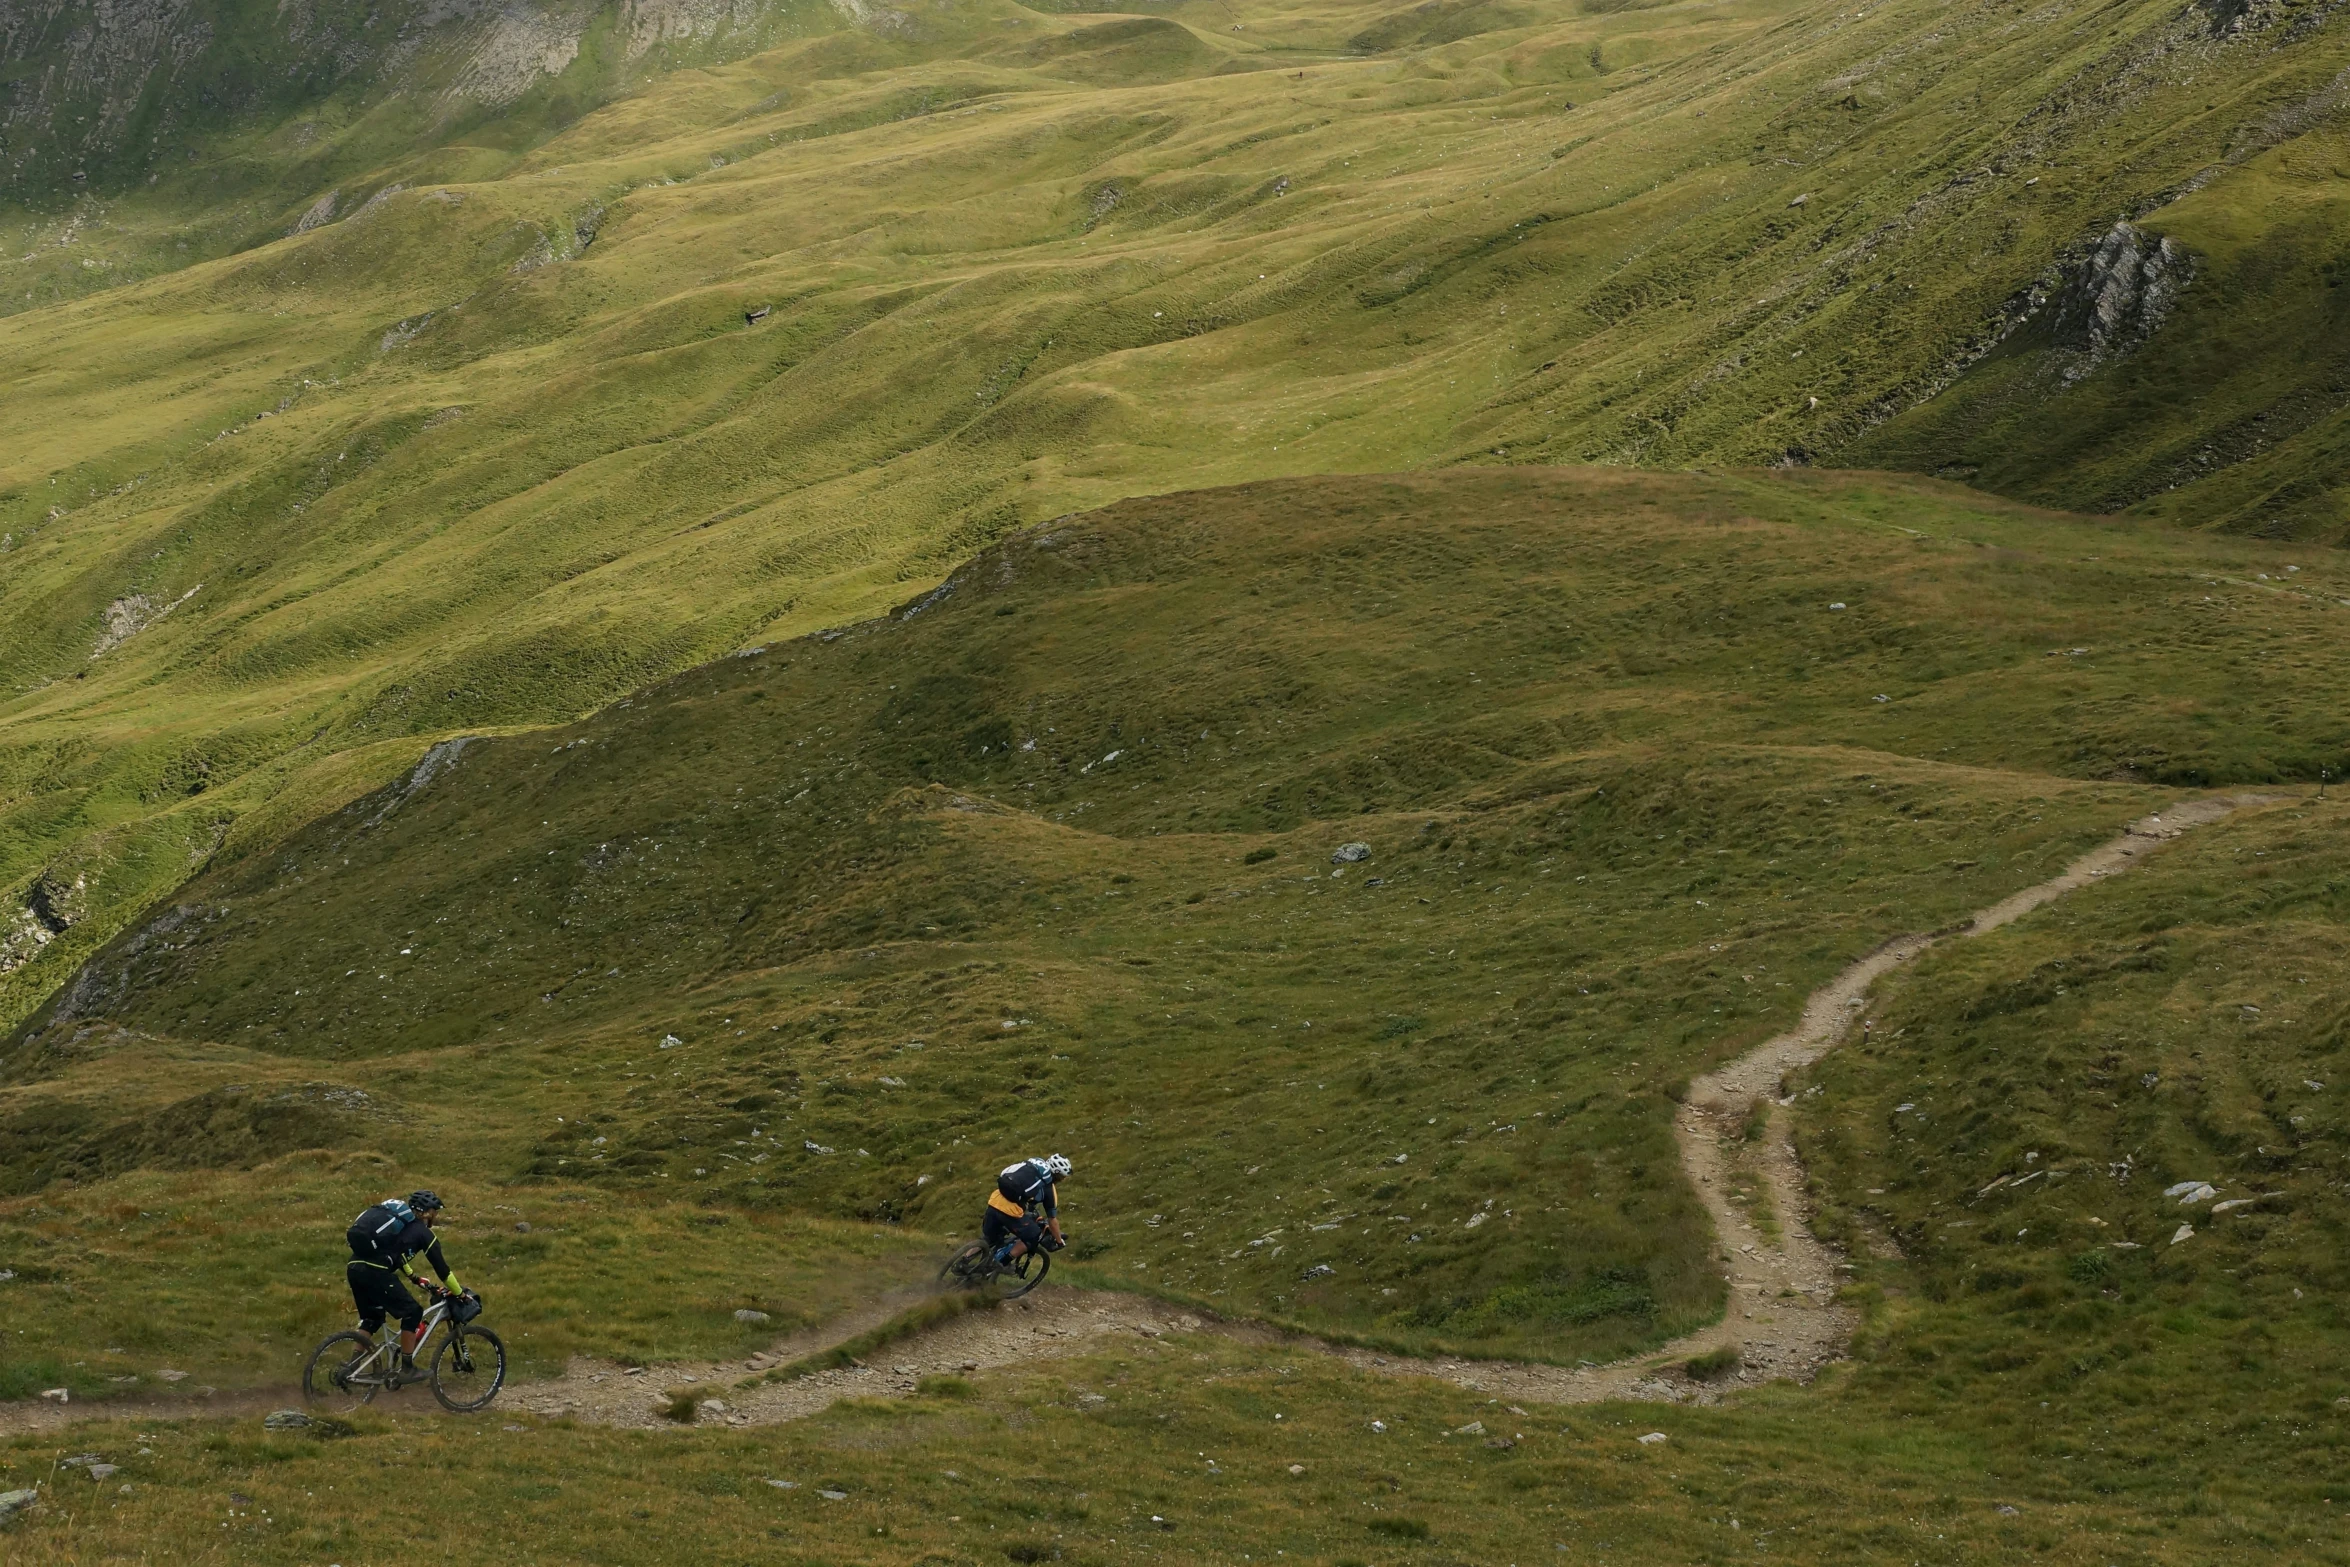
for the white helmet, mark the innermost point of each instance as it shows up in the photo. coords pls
(1057, 1166)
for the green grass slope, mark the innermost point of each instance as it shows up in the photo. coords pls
(1046, 858)
(138, 139)
(1629, 790)
(495, 444)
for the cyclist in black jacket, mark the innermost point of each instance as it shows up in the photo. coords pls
(1023, 1213)
(385, 1242)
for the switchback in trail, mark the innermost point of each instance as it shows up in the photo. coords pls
(1783, 1319)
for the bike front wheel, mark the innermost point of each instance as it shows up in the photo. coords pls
(326, 1376)
(1022, 1274)
(468, 1369)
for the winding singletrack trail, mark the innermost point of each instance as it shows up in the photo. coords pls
(1783, 1316)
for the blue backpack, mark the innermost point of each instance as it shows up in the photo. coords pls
(375, 1232)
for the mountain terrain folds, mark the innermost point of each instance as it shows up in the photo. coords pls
(1630, 716)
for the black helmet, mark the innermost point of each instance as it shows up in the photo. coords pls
(425, 1202)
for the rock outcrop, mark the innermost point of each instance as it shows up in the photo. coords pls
(2118, 296)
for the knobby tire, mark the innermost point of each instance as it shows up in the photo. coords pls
(473, 1361)
(318, 1384)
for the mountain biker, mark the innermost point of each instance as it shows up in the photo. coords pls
(1023, 1211)
(385, 1242)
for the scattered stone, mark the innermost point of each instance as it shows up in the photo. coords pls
(1297, 1469)
(522, 1226)
(785, 1485)
(1500, 1441)
(1652, 1439)
(633, 1371)
(970, 1365)
(2190, 1192)
(2184, 1232)
(286, 1420)
(834, 1496)
(79, 1459)
(57, 1395)
(173, 1376)
(14, 1502)
(714, 1406)
(1320, 1270)
(104, 1471)
(2006, 1511)
(755, 1318)
(1350, 854)
(1379, 1425)
(2232, 1204)
(1475, 1428)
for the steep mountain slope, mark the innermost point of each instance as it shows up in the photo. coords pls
(1048, 857)
(817, 934)
(162, 131)
(493, 448)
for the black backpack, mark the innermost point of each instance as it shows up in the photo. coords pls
(375, 1232)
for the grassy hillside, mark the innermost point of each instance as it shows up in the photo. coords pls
(140, 138)
(1629, 791)
(493, 444)
(1047, 858)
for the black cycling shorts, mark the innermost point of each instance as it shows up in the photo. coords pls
(997, 1227)
(378, 1293)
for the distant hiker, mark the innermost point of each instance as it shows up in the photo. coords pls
(385, 1242)
(1023, 1211)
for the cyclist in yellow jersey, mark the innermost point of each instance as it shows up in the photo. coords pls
(1024, 1212)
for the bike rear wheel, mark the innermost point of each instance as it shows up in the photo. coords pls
(965, 1266)
(324, 1374)
(468, 1369)
(1022, 1274)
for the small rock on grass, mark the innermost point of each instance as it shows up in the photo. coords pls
(755, 1318)
(104, 1471)
(57, 1395)
(1652, 1439)
(14, 1502)
(285, 1420)
(1350, 854)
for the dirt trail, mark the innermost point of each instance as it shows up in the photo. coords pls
(1783, 1317)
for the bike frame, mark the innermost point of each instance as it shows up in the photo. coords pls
(367, 1371)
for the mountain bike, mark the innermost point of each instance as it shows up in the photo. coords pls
(468, 1365)
(975, 1267)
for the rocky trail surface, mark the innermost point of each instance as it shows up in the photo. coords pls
(1783, 1319)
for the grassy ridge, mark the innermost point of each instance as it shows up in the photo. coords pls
(1571, 666)
(522, 454)
(1046, 860)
